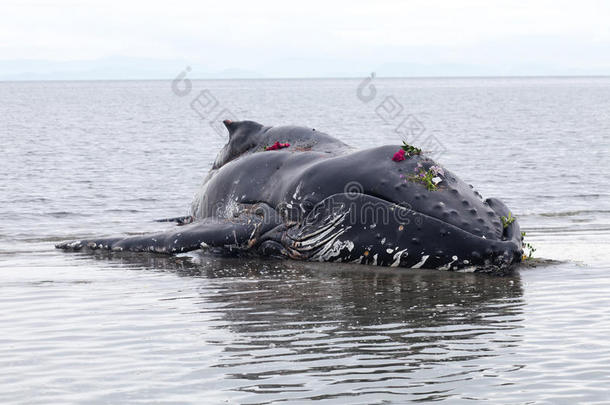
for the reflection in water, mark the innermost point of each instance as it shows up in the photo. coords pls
(309, 330)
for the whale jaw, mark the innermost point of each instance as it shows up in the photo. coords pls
(369, 230)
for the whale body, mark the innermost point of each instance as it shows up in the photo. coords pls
(294, 192)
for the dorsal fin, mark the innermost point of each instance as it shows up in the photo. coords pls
(231, 126)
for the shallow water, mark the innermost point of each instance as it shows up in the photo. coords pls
(85, 159)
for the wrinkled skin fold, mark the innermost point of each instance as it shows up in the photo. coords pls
(320, 200)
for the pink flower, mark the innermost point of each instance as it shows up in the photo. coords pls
(277, 145)
(437, 170)
(399, 156)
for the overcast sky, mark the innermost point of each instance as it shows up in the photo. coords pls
(144, 39)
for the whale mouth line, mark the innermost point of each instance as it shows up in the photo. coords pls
(409, 210)
(427, 216)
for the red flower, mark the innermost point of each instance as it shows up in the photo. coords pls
(399, 156)
(277, 146)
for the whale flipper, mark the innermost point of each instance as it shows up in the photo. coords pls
(237, 232)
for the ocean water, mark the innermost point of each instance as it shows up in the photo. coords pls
(81, 159)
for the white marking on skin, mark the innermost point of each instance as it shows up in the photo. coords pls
(448, 265)
(358, 260)
(230, 208)
(382, 240)
(326, 240)
(313, 242)
(323, 254)
(397, 257)
(423, 261)
(175, 241)
(389, 250)
(336, 248)
(470, 269)
(373, 226)
(295, 196)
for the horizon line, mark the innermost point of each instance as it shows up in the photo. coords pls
(551, 76)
